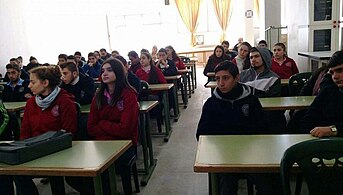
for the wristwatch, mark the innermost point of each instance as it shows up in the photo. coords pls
(333, 129)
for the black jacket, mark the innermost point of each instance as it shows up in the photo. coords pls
(16, 94)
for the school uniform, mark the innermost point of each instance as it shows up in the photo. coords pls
(16, 93)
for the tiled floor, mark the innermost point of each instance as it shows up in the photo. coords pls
(174, 171)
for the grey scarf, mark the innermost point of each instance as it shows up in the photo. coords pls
(44, 103)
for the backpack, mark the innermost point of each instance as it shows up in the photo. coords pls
(4, 118)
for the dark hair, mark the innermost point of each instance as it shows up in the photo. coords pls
(64, 56)
(227, 66)
(220, 47)
(115, 51)
(336, 59)
(122, 60)
(121, 83)
(246, 44)
(148, 55)
(14, 59)
(103, 49)
(32, 58)
(91, 54)
(263, 42)
(71, 66)
(132, 54)
(50, 73)
(226, 43)
(174, 54)
(13, 66)
(77, 53)
(162, 50)
(144, 50)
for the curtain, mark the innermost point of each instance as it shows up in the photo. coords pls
(223, 13)
(257, 8)
(189, 12)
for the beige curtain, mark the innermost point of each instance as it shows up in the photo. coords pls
(223, 12)
(257, 8)
(189, 12)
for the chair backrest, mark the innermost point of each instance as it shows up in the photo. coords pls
(321, 162)
(82, 132)
(297, 81)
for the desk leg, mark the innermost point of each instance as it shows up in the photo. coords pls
(176, 102)
(112, 177)
(213, 183)
(185, 95)
(194, 71)
(98, 184)
(144, 142)
(166, 115)
(189, 84)
(57, 185)
(149, 168)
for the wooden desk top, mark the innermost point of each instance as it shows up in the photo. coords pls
(160, 87)
(243, 153)
(183, 71)
(85, 158)
(211, 84)
(284, 82)
(146, 106)
(14, 106)
(176, 77)
(211, 74)
(286, 103)
(319, 55)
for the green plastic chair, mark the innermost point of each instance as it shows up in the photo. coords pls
(297, 81)
(321, 163)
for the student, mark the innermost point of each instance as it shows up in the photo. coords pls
(50, 109)
(133, 80)
(104, 55)
(264, 83)
(149, 72)
(231, 54)
(242, 59)
(80, 85)
(98, 58)
(92, 68)
(324, 116)
(282, 65)
(113, 116)
(233, 110)
(167, 66)
(115, 53)
(62, 58)
(16, 90)
(72, 58)
(135, 61)
(214, 59)
(154, 53)
(263, 44)
(240, 41)
(23, 74)
(172, 55)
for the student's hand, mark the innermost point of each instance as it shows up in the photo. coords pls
(322, 132)
(27, 95)
(90, 64)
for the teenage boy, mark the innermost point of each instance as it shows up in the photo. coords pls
(16, 90)
(80, 85)
(233, 110)
(93, 67)
(135, 61)
(265, 83)
(324, 116)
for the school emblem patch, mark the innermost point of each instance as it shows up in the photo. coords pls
(120, 105)
(245, 109)
(55, 111)
(21, 89)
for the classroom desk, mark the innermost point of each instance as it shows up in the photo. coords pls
(317, 58)
(17, 108)
(192, 66)
(284, 82)
(148, 154)
(164, 89)
(84, 159)
(212, 85)
(202, 51)
(174, 80)
(187, 81)
(286, 103)
(242, 154)
(147, 148)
